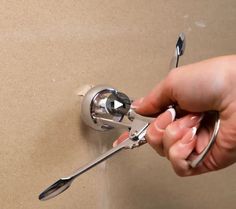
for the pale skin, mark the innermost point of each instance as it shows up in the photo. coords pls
(195, 88)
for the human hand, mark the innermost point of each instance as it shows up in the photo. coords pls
(195, 88)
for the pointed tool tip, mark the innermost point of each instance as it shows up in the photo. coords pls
(180, 45)
(41, 196)
(55, 189)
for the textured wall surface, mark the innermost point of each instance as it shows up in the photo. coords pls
(52, 49)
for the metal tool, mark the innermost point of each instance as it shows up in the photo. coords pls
(179, 51)
(104, 108)
(136, 138)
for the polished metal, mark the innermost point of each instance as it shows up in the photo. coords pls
(199, 158)
(179, 51)
(135, 139)
(94, 105)
(97, 114)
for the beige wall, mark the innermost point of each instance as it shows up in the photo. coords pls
(49, 50)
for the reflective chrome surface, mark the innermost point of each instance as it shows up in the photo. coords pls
(135, 139)
(96, 115)
(179, 51)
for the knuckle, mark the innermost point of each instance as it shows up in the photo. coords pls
(153, 141)
(173, 154)
(171, 77)
(170, 83)
(170, 132)
(180, 167)
(152, 136)
(180, 172)
(153, 102)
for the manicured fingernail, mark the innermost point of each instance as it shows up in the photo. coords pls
(173, 113)
(114, 143)
(165, 119)
(137, 103)
(190, 121)
(197, 118)
(189, 136)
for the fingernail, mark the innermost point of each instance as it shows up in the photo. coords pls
(165, 119)
(190, 121)
(197, 118)
(189, 136)
(137, 103)
(173, 113)
(114, 143)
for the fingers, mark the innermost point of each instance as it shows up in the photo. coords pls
(180, 145)
(161, 136)
(197, 87)
(157, 128)
(183, 151)
(204, 137)
(179, 152)
(176, 140)
(160, 97)
(178, 129)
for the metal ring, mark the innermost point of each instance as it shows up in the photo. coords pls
(202, 155)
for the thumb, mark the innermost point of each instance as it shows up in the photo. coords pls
(196, 87)
(157, 100)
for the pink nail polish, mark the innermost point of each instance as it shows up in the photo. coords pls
(189, 136)
(190, 121)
